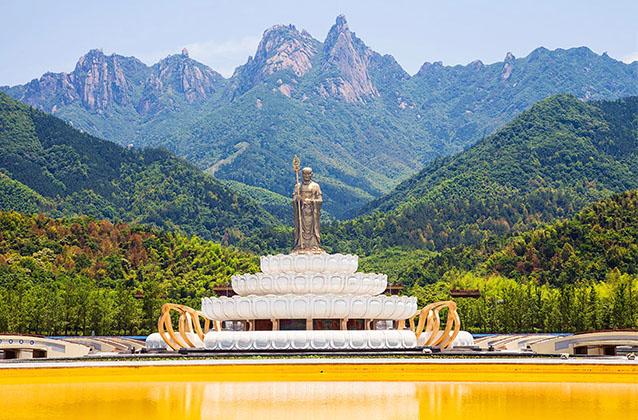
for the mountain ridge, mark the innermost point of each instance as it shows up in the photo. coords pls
(546, 164)
(63, 172)
(354, 115)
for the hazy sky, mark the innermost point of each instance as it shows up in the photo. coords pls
(40, 36)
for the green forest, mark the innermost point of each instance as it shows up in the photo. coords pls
(541, 217)
(80, 276)
(546, 165)
(576, 275)
(61, 172)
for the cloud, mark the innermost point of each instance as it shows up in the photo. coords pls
(224, 56)
(630, 58)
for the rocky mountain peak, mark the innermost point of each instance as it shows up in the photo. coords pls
(477, 65)
(102, 80)
(508, 66)
(428, 68)
(181, 74)
(351, 59)
(282, 49)
(340, 27)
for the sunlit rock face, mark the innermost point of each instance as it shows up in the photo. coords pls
(351, 58)
(179, 74)
(97, 82)
(102, 80)
(283, 49)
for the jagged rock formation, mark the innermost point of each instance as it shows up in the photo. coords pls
(283, 49)
(357, 114)
(97, 82)
(178, 73)
(104, 80)
(508, 66)
(100, 82)
(349, 58)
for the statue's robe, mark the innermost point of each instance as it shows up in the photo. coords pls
(306, 201)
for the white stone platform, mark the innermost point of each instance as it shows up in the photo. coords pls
(304, 263)
(309, 283)
(309, 306)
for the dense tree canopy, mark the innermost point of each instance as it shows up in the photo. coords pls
(78, 275)
(576, 275)
(64, 172)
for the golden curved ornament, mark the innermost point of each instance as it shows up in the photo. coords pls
(188, 318)
(430, 322)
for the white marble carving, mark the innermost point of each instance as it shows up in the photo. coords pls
(309, 283)
(309, 263)
(155, 341)
(309, 306)
(309, 340)
(462, 339)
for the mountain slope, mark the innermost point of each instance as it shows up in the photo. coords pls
(122, 99)
(547, 163)
(473, 101)
(81, 174)
(539, 148)
(598, 240)
(18, 197)
(352, 114)
(570, 276)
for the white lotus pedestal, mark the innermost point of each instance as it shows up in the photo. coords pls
(312, 302)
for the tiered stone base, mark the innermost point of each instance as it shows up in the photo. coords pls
(309, 307)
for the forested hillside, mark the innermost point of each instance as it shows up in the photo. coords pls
(48, 166)
(354, 115)
(548, 163)
(576, 275)
(83, 275)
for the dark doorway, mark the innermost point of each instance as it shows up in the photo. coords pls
(263, 325)
(11, 354)
(609, 350)
(356, 324)
(326, 324)
(292, 324)
(39, 354)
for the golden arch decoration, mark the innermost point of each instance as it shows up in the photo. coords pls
(189, 318)
(429, 322)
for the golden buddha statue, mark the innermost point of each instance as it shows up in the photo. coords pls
(306, 202)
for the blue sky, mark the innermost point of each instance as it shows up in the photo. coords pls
(40, 36)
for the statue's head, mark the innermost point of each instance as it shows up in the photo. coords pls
(306, 174)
